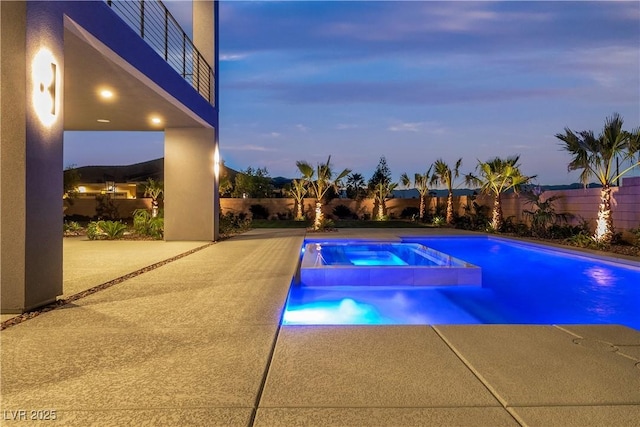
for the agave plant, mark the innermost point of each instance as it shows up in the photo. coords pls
(108, 230)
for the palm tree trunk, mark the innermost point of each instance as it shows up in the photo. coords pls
(154, 208)
(604, 223)
(450, 208)
(317, 223)
(422, 208)
(380, 211)
(496, 220)
(300, 214)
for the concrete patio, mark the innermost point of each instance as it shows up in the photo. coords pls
(198, 342)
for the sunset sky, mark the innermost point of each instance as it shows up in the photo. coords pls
(413, 81)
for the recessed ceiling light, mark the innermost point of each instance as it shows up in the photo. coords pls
(104, 121)
(106, 94)
(156, 120)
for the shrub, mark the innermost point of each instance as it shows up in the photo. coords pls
(283, 216)
(410, 212)
(636, 233)
(438, 221)
(72, 228)
(106, 208)
(476, 217)
(343, 212)
(326, 224)
(259, 212)
(517, 228)
(581, 240)
(232, 224)
(107, 230)
(146, 225)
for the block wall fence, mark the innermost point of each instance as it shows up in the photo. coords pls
(581, 203)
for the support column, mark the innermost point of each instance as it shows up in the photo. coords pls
(205, 39)
(190, 195)
(31, 134)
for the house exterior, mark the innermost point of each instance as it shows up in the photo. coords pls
(119, 182)
(107, 66)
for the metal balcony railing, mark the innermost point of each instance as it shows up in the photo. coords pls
(153, 22)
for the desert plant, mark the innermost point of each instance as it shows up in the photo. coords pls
(320, 180)
(107, 230)
(476, 216)
(443, 174)
(72, 228)
(342, 212)
(155, 190)
(420, 183)
(71, 179)
(597, 157)
(582, 240)
(410, 212)
(232, 224)
(259, 212)
(106, 208)
(297, 190)
(438, 221)
(496, 176)
(145, 224)
(356, 187)
(543, 213)
(636, 234)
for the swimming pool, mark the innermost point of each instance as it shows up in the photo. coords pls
(521, 284)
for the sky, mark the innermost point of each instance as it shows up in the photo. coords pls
(413, 81)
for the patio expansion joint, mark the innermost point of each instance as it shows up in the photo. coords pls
(267, 368)
(475, 372)
(64, 301)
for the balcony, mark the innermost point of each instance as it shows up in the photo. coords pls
(155, 24)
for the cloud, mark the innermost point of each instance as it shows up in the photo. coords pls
(421, 127)
(246, 147)
(345, 126)
(405, 127)
(229, 57)
(394, 93)
(302, 128)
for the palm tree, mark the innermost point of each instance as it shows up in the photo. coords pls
(356, 187)
(543, 212)
(420, 183)
(496, 177)
(445, 176)
(153, 189)
(320, 185)
(298, 189)
(598, 156)
(380, 192)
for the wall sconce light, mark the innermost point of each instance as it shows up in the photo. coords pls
(44, 74)
(216, 163)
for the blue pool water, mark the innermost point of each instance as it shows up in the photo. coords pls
(521, 284)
